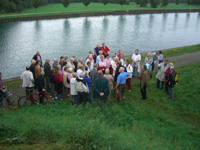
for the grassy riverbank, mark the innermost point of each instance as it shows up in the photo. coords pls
(156, 123)
(55, 9)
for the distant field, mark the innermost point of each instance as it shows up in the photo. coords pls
(52, 9)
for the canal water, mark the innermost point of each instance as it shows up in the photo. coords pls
(19, 41)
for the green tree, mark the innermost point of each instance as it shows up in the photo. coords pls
(35, 4)
(165, 3)
(137, 2)
(177, 2)
(65, 3)
(86, 3)
(189, 2)
(154, 3)
(122, 2)
(105, 2)
(143, 3)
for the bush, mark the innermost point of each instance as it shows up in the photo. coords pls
(127, 2)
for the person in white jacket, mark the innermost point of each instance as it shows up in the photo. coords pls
(28, 80)
(73, 84)
(82, 89)
(129, 70)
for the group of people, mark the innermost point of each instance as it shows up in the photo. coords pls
(75, 78)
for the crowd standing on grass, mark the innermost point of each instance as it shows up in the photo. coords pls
(74, 79)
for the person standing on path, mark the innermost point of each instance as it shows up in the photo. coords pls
(144, 78)
(105, 49)
(47, 68)
(28, 80)
(136, 63)
(101, 89)
(121, 82)
(37, 72)
(173, 80)
(41, 86)
(37, 57)
(55, 64)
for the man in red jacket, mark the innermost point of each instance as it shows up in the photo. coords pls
(105, 49)
(167, 73)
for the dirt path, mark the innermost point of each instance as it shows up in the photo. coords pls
(188, 58)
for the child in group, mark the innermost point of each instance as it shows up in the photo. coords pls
(73, 88)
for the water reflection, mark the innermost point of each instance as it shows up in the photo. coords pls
(151, 20)
(175, 21)
(198, 21)
(187, 20)
(164, 20)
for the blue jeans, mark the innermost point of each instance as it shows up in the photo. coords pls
(158, 84)
(90, 97)
(75, 99)
(133, 74)
(59, 97)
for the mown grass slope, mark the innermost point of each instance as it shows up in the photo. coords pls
(156, 123)
(52, 9)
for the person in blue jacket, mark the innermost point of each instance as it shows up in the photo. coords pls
(89, 81)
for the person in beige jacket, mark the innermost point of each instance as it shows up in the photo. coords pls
(110, 80)
(65, 81)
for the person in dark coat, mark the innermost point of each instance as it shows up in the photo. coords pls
(41, 86)
(101, 89)
(117, 70)
(37, 56)
(32, 67)
(75, 63)
(47, 68)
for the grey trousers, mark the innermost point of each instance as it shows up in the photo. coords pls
(171, 93)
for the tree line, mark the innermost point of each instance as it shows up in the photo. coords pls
(11, 6)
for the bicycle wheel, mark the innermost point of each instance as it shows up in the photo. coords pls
(24, 101)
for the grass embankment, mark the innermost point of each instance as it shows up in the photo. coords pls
(55, 9)
(156, 123)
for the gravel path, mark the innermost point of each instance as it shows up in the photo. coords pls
(188, 58)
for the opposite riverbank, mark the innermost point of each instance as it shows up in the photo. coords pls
(53, 11)
(166, 52)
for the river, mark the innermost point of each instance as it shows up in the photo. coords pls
(19, 41)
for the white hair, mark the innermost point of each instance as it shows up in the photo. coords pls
(55, 59)
(82, 74)
(149, 53)
(122, 69)
(42, 73)
(72, 59)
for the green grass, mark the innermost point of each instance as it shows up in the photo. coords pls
(156, 123)
(53, 9)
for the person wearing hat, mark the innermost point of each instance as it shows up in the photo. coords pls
(105, 49)
(3, 93)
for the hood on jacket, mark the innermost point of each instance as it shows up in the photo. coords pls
(79, 79)
(72, 81)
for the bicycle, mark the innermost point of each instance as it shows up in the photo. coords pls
(7, 95)
(26, 100)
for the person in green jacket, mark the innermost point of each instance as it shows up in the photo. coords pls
(101, 89)
(47, 68)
